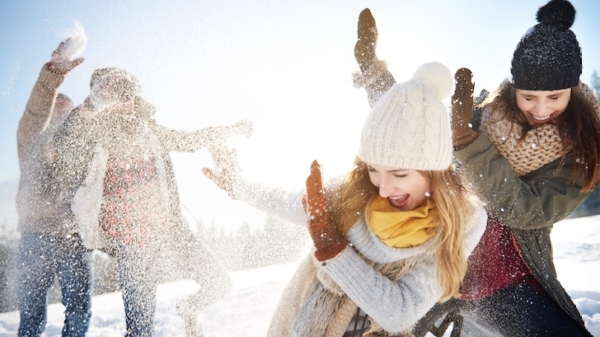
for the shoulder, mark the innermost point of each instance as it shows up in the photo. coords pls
(75, 120)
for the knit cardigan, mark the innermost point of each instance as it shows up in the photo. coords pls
(78, 155)
(393, 306)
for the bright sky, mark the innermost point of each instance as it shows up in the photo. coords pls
(286, 65)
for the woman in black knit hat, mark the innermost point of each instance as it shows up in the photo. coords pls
(531, 151)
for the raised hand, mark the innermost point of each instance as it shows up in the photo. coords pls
(60, 63)
(328, 242)
(227, 169)
(462, 109)
(374, 75)
(364, 49)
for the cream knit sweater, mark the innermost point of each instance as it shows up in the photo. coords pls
(395, 306)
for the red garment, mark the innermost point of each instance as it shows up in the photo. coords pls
(494, 264)
(131, 212)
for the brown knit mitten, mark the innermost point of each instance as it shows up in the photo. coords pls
(323, 232)
(364, 50)
(462, 109)
(373, 76)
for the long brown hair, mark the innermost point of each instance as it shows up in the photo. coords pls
(578, 126)
(351, 198)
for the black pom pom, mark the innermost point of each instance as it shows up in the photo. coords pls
(557, 13)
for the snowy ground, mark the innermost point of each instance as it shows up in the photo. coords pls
(247, 310)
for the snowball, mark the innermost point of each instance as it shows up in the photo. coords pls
(75, 41)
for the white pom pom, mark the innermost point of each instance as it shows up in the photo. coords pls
(75, 42)
(436, 76)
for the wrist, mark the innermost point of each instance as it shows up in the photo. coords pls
(465, 139)
(51, 67)
(331, 250)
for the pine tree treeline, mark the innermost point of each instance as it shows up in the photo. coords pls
(277, 242)
(595, 83)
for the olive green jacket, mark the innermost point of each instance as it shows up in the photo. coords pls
(528, 205)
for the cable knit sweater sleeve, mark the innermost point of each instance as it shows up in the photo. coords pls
(394, 306)
(283, 203)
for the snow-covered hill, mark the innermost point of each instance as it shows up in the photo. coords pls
(247, 310)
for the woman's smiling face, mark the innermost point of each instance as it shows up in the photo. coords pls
(405, 189)
(540, 107)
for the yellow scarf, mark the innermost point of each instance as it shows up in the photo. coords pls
(401, 229)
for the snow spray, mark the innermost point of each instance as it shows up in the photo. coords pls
(75, 41)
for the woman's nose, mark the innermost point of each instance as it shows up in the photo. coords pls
(385, 190)
(540, 108)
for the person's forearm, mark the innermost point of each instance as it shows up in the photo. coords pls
(396, 306)
(538, 200)
(38, 109)
(277, 201)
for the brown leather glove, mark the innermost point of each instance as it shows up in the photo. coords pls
(462, 109)
(326, 239)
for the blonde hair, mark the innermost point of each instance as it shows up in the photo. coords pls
(352, 196)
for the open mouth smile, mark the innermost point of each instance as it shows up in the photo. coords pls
(541, 119)
(399, 201)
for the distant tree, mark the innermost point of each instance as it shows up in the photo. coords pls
(284, 241)
(7, 279)
(278, 242)
(3, 236)
(200, 228)
(595, 83)
(591, 205)
(242, 240)
(244, 233)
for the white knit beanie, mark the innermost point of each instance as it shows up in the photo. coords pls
(409, 126)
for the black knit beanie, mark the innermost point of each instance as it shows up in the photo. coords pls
(548, 57)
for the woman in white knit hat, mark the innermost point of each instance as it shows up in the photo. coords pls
(391, 239)
(532, 153)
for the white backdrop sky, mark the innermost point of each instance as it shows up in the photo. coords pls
(286, 65)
